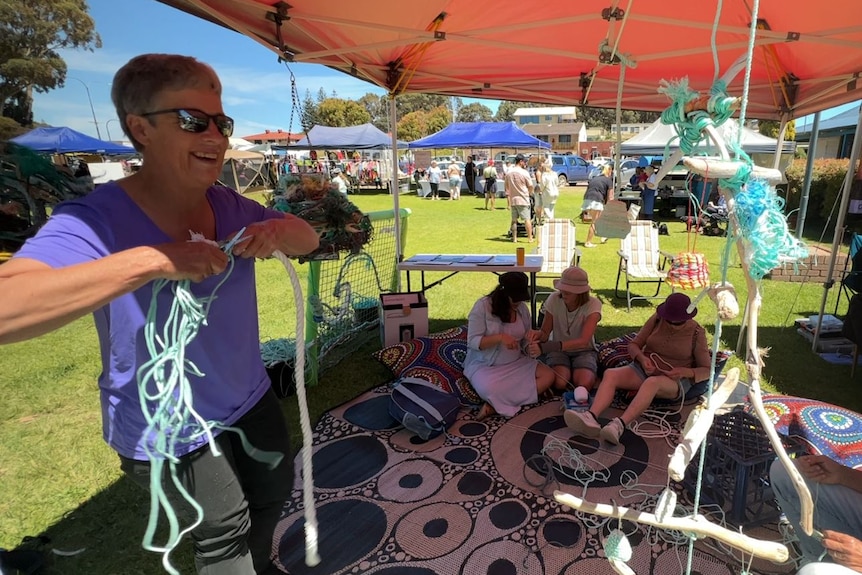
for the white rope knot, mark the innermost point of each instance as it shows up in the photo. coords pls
(724, 297)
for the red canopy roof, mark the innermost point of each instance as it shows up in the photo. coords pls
(807, 56)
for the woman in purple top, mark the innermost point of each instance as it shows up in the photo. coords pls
(101, 254)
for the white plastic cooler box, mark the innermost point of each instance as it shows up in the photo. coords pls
(403, 316)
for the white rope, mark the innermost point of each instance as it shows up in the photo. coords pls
(312, 557)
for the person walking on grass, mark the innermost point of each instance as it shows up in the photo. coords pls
(454, 175)
(547, 192)
(669, 354)
(519, 186)
(599, 191)
(103, 254)
(434, 176)
(490, 174)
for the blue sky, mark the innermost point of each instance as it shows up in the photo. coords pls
(256, 86)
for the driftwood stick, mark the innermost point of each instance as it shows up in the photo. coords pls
(702, 103)
(754, 364)
(699, 525)
(698, 424)
(723, 169)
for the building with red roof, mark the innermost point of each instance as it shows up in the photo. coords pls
(279, 137)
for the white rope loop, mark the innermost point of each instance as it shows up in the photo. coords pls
(312, 557)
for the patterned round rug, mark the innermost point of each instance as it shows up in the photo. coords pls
(828, 429)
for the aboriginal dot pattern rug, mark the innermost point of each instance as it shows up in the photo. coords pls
(477, 502)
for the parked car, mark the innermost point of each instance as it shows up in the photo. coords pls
(627, 170)
(570, 169)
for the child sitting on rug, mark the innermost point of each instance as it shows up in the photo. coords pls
(566, 340)
(498, 328)
(669, 354)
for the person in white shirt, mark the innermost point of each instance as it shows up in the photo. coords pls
(547, 193)
(434, 175)
(339, 180)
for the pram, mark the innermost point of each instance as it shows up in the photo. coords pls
(522, 227)
(712, 222)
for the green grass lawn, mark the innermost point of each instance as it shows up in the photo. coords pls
(58, 477)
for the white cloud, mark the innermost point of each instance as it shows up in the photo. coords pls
(101, 61)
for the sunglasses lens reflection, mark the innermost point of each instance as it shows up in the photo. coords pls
(197, 122)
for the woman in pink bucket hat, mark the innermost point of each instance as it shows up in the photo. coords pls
(566, 339)
(670, 355)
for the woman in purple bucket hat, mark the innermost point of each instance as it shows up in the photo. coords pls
(669, 354)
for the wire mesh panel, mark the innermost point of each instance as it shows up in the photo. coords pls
(343, 293)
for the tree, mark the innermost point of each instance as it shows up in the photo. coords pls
(9, 128)
(437, 119)
(309, 117)
(341, 113)
(412, 126)
(321, 95)
(31, 34)
(770, 128)
(406, 103)
(474, 112)
(378, 109)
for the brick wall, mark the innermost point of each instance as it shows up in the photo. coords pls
(814, 269)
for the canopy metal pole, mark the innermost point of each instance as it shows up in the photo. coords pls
(806, 180)
(839, 224)
(393, 130)
(782, 132)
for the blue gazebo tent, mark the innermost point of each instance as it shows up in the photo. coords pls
(480, 135)
(68, 141)
(363, 137)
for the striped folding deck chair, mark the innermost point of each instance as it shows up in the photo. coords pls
(557, 247)
(641, 261)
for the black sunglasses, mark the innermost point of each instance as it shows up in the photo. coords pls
(195, 121)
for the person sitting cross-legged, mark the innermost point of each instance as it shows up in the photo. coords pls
(670, 355)
(498, 330)
(566, 340)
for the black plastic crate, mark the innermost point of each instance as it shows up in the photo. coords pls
(736, 469)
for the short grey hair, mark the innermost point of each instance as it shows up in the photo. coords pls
(144, 77)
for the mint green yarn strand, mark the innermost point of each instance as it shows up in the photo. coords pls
(740, 178)
(167, 404)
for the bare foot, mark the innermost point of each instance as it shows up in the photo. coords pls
(485, 412)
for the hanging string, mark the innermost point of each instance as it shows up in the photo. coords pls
(166, 399)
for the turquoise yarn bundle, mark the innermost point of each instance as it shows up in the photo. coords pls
(762, 225)
(167, 404)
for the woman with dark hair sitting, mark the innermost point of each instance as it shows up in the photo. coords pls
(669, 354)
(498, 330)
